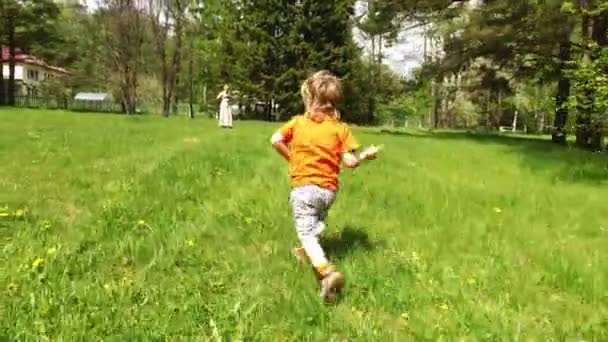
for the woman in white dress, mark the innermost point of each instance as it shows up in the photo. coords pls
(225, 117)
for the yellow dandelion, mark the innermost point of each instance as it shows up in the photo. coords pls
(358, 313)
(471, 281)
(37, 262)
(106, 286)
(497, 210)
(415, 256)
(51, 251)
(126, 282)
(19, 213)
(190, 242)
(4, 214)
(444, 307)
(141, 222)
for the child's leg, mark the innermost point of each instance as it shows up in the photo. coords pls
(322, 218)
(309, 206)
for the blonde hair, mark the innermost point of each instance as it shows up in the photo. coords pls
(321, 92)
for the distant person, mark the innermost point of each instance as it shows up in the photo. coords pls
(314, 144)
(225, 115)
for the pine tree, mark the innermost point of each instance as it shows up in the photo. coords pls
(289, 40)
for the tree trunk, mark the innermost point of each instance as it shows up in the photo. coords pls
(435, 105)
(559, 134)
(498, 111)
(176, 68)
(176, 63)
(598, 34)
(439, 103)
(541, 122)
(191, 80)
(372, 96)
(2, 83)
(159, 31)
(488, 113)
(12, 50)
(165, 79)
(585, 108)
(129, 90)
(269, 110)
(205, 97)
(378, 84)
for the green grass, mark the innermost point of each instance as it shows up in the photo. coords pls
(446, 237)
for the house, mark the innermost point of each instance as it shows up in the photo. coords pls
(30, 72)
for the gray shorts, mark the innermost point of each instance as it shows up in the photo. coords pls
(310, 205)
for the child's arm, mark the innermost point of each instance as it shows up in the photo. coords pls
(280, 146)
(282, 137)
(352, 161)
(349, 160)
(348, 146)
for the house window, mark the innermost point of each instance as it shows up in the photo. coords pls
(32, 74)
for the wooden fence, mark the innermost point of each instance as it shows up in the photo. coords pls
(67, 104)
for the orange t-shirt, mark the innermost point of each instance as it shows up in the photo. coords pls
(315, 148)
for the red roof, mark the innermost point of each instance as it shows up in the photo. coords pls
(23, 58)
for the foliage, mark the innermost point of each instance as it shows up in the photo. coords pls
(285, 43)
(150, 95)
(535, 104)
(590, 96)
(122, 32)
(412, 106)
(465, 111)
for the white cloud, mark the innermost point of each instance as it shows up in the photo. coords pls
(404, 55)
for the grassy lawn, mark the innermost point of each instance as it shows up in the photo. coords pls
(143, 228)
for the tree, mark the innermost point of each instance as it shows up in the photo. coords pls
(286, 43)
(377, 24)
(558, 135)
(594, 20)
(523, 39)
(167, 23)
(2, 42)
(25, 23)
(122, 36)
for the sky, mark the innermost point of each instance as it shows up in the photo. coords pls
(404, 55)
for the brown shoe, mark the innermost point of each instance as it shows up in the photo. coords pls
(331, 283)
(300, 254)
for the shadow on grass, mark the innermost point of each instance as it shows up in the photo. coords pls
(346, 242)
(538, 154)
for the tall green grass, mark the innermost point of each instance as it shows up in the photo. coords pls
(143, 228)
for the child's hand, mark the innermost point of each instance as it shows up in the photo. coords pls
(370, 153)
(350, 161)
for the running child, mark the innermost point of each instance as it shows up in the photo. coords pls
(314, 144)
